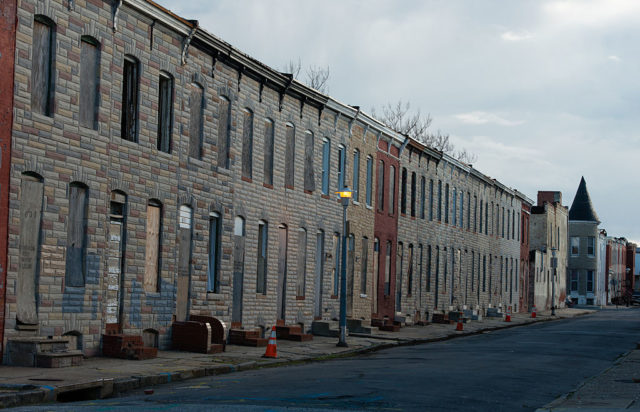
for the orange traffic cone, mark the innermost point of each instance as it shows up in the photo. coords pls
(533, 312)
(508, 317)
(459, 326)
(271, 351)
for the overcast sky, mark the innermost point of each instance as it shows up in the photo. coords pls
(543, 92)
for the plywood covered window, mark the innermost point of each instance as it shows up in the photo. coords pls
(455, 205)
(430, 199)
(428, 268)
(89, 82)
(403, 191)
(301, 279)
(356, 176)
(268, 152)
(77, 235)
(247, 144)
(336, 263)
(461, 209)
(309, 175)
(152, 248)
(413, 194)
(392, 190)
(42, 66)
(369, 180)
(326, 164)
(130, 87)
(263, 239)
(196, 109)
(342, 167)
(380, 187)
(410, 270)
(290, 155)
(165, 112)
(224, 132)
(446, 203)
(439, 200)
(213, 273)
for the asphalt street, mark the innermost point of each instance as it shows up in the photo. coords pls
(520, 368)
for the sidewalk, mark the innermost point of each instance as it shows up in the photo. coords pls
(616, 388)
(100, 377)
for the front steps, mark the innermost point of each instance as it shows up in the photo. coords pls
(245, 337)
(127, 347)
(42, 352)
(293, 333)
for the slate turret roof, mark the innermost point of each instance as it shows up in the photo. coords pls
(582, 208)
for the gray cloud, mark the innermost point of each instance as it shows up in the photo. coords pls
(542, 91)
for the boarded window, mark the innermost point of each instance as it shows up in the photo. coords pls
(439, 200)
(356, 176)
(392, 189)
(364, 265)
(261, 279)
(213, 275)
(42, 68)
(326, 161)
(290, 155)
(130, 79)
(152, 247)
(183, 285)
(403, 191)
(76, 235)
(268, 152)
(430, 199)
(455, 210)
(195, 120)
(468, 211)
(309, 177)
(461, 209)
(247, 143)
(302, 263)
(380, 187)
(224, 132)
(165, 112)
(369, 180)
(446, 203)
(342, 166)
(413, 194)
(89, 82)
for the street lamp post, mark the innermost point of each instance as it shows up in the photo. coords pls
(344, 195)
(627, 286)
(554, 265)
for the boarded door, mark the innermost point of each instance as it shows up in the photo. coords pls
(350, 274)
(184, 264)
(238, 271)
(317, 313)
(282, 272)
(115, 261)
(30, 217)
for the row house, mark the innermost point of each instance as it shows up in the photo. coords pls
(548, 237)
(156, 172)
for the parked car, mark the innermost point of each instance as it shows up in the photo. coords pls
(635, 297)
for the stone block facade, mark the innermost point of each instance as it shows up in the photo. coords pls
(158, 172)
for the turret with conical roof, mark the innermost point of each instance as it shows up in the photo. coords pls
(582, 208)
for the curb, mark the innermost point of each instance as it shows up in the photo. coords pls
(105, 388)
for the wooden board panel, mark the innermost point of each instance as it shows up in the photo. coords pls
(184, 272)
(151, 271)
(282, 272)
(195, 121)
(247, 145)
(88, 85)
(223, 133)
(30, 219)
(290, 156)
(238, 278)
(41, 68)
(301, 267)
(268, 152)
(76, 236)
(309, 177)
(319, 274)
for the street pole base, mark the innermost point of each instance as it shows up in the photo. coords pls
(341, 344)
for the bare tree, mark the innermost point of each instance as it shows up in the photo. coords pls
(316, 77)
(416, 125)
(293, 68)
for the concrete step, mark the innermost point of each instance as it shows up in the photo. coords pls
(59, 359)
